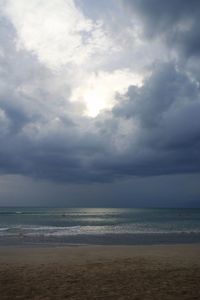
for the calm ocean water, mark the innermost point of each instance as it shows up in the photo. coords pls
(98, 226)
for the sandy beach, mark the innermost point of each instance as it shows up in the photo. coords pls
(100, 272)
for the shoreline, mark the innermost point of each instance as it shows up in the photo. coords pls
(78, 253)
(104, 239)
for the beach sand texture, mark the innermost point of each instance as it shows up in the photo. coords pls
(100, 272)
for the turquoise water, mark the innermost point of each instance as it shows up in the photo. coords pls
(99, 225)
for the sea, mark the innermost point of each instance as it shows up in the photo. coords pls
(98, 226)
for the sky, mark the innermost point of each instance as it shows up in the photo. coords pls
(100, 103)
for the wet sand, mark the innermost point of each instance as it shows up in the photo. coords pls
(100, 272)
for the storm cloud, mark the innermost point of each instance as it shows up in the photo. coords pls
(145, 121)
(177, 22)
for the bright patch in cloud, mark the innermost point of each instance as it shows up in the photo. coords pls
(63, 39)
(99, 91)
(57, 32)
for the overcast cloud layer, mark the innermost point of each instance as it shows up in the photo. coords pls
(94, 92)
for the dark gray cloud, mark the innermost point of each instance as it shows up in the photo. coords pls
(167, 110)
(177, 21)
(167, 139)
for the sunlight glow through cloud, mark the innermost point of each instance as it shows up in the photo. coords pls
(100, 90)
(61, 37)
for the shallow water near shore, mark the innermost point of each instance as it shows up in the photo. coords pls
(130, 226)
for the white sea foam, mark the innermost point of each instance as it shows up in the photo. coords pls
(54, 231)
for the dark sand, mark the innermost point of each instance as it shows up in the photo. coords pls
(100, 272)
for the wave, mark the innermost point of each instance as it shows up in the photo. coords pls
(54, 231)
